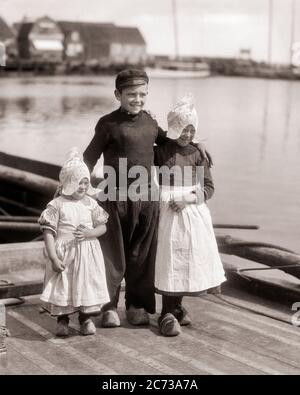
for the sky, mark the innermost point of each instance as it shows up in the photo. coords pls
(205, 27)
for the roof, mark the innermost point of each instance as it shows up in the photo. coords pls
(24, 28)
(5, 31)
(106, 31)
(125, 35)
(88, 30)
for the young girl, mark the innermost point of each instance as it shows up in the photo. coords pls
(187, 259)
(71, 223)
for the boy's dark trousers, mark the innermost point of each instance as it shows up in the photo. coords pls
(129, 249)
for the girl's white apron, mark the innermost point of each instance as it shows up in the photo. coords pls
(187, 257)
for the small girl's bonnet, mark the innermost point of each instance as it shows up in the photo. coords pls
(72, 172)
(183, 114)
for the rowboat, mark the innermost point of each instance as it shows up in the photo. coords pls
(251, 327)
(25, 188)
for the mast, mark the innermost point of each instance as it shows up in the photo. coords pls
(293, 27)
(270, 28)
(175, 27)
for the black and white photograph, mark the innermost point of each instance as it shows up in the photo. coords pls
(149, 190)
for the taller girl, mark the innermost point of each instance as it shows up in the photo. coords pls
(187, 260)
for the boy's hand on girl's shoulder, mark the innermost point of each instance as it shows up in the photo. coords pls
(152, 115)
(57, 265)
(205, 154)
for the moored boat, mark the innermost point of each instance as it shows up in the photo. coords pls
(25, 187)
(179, 69)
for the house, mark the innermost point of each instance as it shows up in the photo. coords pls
(103, 44)
(74, 46)
(127, 46)
(8, 48)
(41, 41)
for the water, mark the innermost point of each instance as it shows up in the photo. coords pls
(251, 127)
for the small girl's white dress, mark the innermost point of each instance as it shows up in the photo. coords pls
(82, 285)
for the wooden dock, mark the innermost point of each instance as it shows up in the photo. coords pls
(232, 333)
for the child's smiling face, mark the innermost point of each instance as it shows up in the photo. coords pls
(133, 98)
(186, 136)
(82, 189)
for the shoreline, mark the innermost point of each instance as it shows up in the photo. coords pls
(32, 74)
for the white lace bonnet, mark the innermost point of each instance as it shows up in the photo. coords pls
(72, 172)
(183, 114)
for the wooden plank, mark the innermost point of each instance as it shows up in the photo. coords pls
(285, 361)
(127, 352)
(255, 304)
(95, 349)
(273, 327)
(233, 332)
(222, 339)
(33, 357)
(113, 358)
(14, 363)
(53, 352)
(281, 339)
(39, 324)
(21, 289)
(15, 327)
(263, 363)
(22, 256)
(114, 343)
(194, 355)
(68, 351)
(123, 360)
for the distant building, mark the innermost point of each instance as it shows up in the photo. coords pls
(245, 55)
(127, 46)
(8, 47)
(41, 41)
(103, 44)
(74, 42)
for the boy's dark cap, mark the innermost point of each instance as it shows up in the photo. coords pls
(131, 77)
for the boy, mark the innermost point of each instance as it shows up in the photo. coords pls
(129, 245)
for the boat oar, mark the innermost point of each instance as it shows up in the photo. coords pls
(235, 226)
